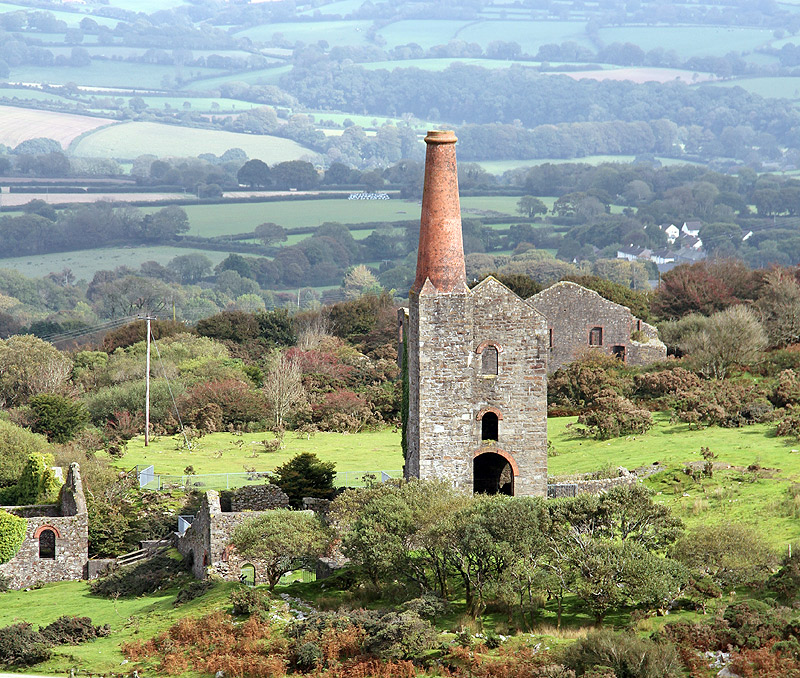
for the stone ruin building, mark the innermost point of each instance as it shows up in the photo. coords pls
(476, 359)
(56, 545)
(579, 319)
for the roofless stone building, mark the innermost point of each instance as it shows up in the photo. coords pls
(476, 359)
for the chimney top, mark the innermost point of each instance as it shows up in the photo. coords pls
(441, 251)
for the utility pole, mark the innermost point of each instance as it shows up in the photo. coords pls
(148, 318)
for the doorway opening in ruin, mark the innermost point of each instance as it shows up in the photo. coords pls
(489, 426)
(47, 545)
(618, 352)
(492, 474)
(247, 575)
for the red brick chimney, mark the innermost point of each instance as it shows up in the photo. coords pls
(441, 249)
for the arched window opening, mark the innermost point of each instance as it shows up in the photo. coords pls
(596, 336)
(489, 360)
(247, 575)
(492, 474)
(489, 426)
(47, 545)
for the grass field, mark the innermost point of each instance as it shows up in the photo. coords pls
(266, 76)
(689, 41)
(131, 139)
(32, 95)
(782, 88)
(70, 18)
(368, 451)
(340, 7)
(107, 74)
(85, 263)
(334, 32)
(640, 75)
(19, 124)
(733, 495)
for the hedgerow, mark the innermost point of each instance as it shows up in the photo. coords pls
(12, 534)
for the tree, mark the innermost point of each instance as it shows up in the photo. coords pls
(690, 288)
(254, 173)
(304, 475)
(276, 327)
(57, 417)
(730, 338)
(360, 280)
(531, 206)
(269, 234)
(29, 366)
(276, 539)
(779, 306)
(283, 387)
(235, 262)
(191, 267)
(17, 444)
(297, 174)
(235, 326)
(165, 224)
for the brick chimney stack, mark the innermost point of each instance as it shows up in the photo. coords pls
(441, 249)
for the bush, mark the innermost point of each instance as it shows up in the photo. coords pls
(20, 645)
(786, 581)
(580, 383)
(628, 655)
(57, 417)
(247, 601)
(723, 403)
(12, 534)
(612, 416)
(787, 390)
(193, 590)
(236, 401)
(137, 580)
(68, 630)
(306, 476)
(665, 383)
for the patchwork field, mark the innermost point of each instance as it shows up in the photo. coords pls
(85, 263)
(131, 139)
(266, 76)
(334, 32)
(66, 198)
(783, 88)
(108, 74)
(19, 124)
(640, 75)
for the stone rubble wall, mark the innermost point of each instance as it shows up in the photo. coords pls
(581, 485)
(258, 498)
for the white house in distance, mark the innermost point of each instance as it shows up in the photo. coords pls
(691, 228)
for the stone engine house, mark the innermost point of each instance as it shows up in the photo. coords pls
(56, 545)
(476, 359)
(580, 319)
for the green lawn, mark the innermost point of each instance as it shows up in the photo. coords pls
(266, 76)
(229, 453)
(132, 139)
(107, 74)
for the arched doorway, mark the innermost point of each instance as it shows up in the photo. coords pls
(247, 574)
(492, 473)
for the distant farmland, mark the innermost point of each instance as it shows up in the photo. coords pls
(132, 139)
(19, 124)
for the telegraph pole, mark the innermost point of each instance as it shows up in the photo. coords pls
(148, 318)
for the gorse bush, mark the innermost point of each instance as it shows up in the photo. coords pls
(21, 645)
(137, 580)
(612, 416)
(625, 653)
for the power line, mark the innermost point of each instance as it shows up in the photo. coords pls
(171, 394)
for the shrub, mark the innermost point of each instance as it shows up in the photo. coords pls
(612, 416)
(305, 475)
(20, 645)
(581, 382)
(57, 417)
(626, 654)
(665, 383)
(722, 403)
(137, 580)
(238, 403)
(68, 630)
(37, 485)
(193, 590)
(786, 581)
(12, 534)
(396, 635)
(248, 600)
(787, 390)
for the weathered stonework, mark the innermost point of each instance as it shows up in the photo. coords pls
(68, 523)
(258, 498)
(582, 485)
(573, 312)
(476, 358)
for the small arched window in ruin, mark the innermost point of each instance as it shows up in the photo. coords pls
(47, 545)
(596, 336)
(489, 360)
(247, 575)
(489, 426)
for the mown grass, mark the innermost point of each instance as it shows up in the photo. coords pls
(230, 453)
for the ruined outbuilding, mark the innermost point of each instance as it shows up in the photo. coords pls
(579, 319)
(476, 359)
(56, 545)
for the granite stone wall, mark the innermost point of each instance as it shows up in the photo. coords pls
(573, 311)
(451, 390)
(68, 523)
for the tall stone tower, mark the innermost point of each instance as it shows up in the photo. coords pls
(476, 358)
